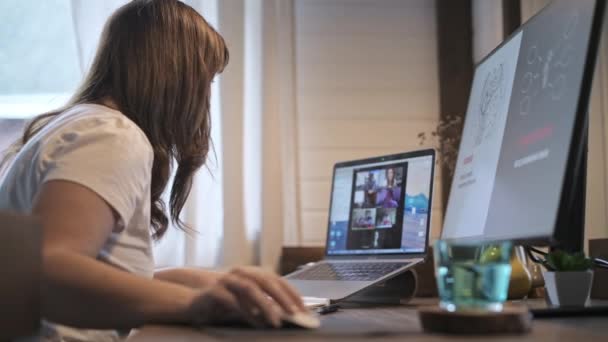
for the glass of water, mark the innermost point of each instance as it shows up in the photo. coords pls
(472, 275)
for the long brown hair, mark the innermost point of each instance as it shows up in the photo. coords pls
(155, 61)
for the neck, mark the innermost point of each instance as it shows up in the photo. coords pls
(109, 102)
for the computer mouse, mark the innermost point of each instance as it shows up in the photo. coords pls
(301, 320)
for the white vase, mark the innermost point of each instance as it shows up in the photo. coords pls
(568, 288)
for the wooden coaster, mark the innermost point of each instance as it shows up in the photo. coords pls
(512, 320)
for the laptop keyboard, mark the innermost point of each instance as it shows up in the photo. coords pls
(349, 271)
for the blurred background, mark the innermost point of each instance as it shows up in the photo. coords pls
(310, 83)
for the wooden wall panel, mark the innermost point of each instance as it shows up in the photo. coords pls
(366, 85)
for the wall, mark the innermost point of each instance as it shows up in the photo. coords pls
(366, 84)
(487, 27)
(596, 225)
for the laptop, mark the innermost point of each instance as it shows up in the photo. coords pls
(379, 221)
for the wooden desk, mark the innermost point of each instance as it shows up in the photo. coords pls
(395, 323)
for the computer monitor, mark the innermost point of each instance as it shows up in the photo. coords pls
(520, 172)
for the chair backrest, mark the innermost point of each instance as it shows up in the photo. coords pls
(20, 260)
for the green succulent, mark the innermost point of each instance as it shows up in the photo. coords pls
(561, 261)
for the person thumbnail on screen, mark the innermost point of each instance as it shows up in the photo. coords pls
(367, 186)
(364, 219)
(388, 195)
(386, 217)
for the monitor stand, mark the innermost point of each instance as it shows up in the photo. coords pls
(570, 231)
(570, 225)
(541, 309)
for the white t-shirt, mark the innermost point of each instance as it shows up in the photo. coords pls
(103, 150)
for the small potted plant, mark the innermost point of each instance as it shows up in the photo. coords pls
(568, 278)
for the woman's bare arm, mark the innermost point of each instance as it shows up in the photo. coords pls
(190, 277)
(79, 290)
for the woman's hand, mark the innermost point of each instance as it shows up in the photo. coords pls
(246, 294)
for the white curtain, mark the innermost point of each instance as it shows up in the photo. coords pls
(88, 18)
(242, 201)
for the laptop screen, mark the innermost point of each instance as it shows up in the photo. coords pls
(381, 205)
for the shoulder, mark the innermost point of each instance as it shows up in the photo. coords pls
(96, 127)
(102, 150)
(97, 120)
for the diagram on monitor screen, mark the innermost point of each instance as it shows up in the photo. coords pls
(492, 100)
(482, 139)
(546, 68)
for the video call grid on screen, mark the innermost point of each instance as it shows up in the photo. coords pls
(376, 206)
(381, 208)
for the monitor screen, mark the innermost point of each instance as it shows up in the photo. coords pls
(381, 206)
(518, 129)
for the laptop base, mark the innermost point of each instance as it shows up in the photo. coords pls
(397, 290)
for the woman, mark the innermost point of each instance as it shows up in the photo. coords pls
(389, 195)
(390, 178)
(94, 172)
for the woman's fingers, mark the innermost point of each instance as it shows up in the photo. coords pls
(272, 285)
(293, 293)
(210, 301)
(229, 303)
(219, 305)
(256, 296)
(254, 303)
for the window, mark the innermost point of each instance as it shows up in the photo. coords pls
(39, 66)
